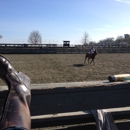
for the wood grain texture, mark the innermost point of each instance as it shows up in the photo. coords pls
(80, 96)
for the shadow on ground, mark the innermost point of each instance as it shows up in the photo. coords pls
(78, 65)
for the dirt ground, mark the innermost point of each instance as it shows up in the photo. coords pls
(54, 68)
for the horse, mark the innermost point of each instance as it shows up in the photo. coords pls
(90, 56)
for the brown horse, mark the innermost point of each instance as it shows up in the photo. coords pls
(90, 56)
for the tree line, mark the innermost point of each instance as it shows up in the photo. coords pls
(36, 38)
(110, 41)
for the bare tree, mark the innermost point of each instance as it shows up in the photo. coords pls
(1, 37)
(35, 37)
(86, 39)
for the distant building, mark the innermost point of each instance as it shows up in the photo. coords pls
(66, 43)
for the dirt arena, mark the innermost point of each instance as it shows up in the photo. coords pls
(54, 68)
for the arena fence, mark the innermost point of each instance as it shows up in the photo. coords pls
(54, 49)
(62, 51)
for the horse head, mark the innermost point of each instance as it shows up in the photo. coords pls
(95, 52)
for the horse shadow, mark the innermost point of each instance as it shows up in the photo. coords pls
(78, 65)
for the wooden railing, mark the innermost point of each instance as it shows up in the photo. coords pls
(64, 104)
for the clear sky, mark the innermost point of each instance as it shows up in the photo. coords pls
(59, 20)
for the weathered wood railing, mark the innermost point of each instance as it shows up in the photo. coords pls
(70, 103)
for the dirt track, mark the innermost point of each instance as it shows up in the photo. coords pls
(52, 68)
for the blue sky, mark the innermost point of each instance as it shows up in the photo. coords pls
(59, 20)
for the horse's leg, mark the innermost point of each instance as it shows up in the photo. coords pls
(85, 59)
(92, 61)
(88, 60)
